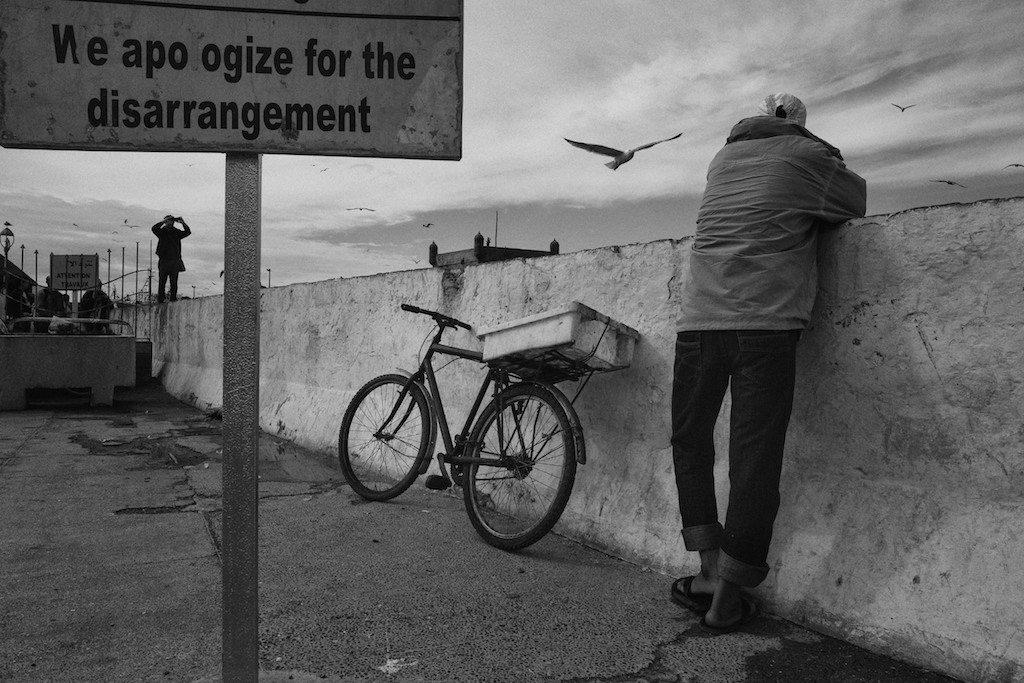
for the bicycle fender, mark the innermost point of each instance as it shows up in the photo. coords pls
(574, 424)
(577, 430)
(581, 445)
(433, 428)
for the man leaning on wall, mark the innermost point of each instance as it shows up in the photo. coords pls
(751, 285)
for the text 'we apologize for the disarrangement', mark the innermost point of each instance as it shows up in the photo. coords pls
(229, 64)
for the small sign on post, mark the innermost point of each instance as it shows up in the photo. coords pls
(74, 271)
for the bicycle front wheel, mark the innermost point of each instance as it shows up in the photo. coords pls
(514, 501)
(384, 439)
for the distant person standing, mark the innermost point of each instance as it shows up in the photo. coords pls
(168, 251)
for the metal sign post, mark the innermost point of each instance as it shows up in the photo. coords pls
(240, 626)
(240, 482)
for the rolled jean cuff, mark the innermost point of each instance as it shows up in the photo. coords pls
(703, 537)
(740, 573)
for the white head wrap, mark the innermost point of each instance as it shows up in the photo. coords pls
(792, 108)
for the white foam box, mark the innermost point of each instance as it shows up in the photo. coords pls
(576, 331)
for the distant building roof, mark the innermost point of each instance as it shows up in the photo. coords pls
(484, 253)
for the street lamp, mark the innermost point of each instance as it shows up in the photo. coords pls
(8, 239)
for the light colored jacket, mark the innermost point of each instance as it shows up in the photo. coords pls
(753, 260)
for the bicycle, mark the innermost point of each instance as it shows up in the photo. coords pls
(515, 458)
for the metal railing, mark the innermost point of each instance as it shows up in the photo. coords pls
(42, 325)
(115, 289)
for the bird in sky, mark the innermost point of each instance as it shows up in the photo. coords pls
(620, 157)
(950, 182)
(428, 225)
(360, 208)
(902, 108)
(1012, 165)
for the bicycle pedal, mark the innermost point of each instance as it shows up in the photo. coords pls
(436, 482)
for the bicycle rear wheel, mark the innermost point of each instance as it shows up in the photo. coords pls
(384, 440)
(517, 500)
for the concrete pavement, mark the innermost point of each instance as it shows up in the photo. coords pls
(110, 529)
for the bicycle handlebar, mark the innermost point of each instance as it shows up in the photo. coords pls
(440, 318)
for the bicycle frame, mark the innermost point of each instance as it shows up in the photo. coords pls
(499, 378)
(454, 446)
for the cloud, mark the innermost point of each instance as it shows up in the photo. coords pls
(617, 72)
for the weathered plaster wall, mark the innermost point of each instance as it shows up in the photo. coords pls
(903, 515)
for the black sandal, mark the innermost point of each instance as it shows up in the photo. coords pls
(748, 612)
(682, 594)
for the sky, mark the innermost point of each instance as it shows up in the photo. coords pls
(615, 72)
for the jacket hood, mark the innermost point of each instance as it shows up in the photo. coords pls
(760, 127)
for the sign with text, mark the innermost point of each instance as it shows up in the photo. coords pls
(379, 78)
(74, 271)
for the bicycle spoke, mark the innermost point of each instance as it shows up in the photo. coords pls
(515, 499)
(384, 437)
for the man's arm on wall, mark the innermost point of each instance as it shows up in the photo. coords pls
(845, 197)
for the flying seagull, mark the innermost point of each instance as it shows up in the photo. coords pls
(950, 182)
(360, 208)
(620, 157)
(1011, 165)
(903, 108)
(427, 225)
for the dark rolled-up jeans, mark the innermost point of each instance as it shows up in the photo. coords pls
(759, 369)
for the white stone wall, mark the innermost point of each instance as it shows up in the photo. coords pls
(902, 524)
